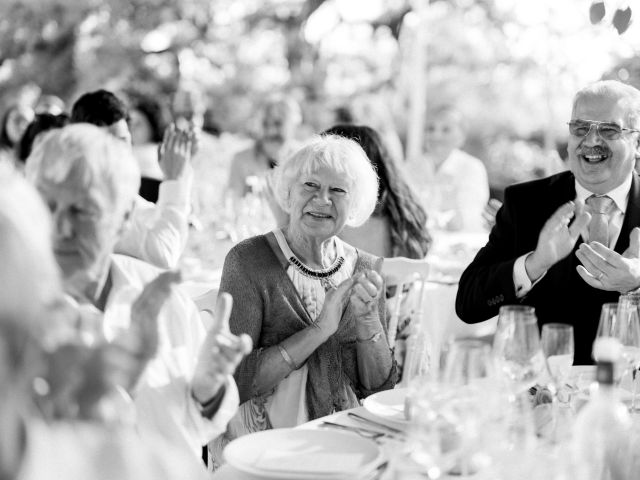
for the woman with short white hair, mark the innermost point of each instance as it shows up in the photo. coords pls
(312, 304)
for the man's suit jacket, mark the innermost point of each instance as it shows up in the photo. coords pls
(561, 295)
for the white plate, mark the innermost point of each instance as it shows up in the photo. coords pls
(388, 404)
(303, 454)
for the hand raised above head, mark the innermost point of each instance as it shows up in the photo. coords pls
(175, 151)
(607, 270)
(220, 353)
(557, 238)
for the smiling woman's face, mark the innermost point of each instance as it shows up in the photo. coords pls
(319, 203)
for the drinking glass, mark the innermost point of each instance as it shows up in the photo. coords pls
(620, 321)
(558, 347)
(468, 362)
(516, 348)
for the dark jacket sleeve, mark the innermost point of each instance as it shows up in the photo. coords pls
(246, 316)
(487, 283)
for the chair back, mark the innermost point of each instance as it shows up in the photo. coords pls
(398, 272)
(206, 304)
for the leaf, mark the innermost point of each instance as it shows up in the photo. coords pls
(622, 20)
(596, 12)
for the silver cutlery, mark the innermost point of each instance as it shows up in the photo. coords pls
(368, 421)
(364, 432)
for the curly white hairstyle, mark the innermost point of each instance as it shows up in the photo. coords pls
(343, 156)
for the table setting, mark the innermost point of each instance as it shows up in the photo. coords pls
(507, 410)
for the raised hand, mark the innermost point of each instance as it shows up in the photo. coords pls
(175, 152)
(607, 270)
(220, 353)
(366, 292)
(132, 349)
(334, 304)
(557, 238)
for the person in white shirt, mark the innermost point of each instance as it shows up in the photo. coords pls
(280, 117)
(157, 233)
(89, 181)
(31, 448)
(453, 184)
(569, 243)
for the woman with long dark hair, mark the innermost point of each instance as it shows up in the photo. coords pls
(398, 226)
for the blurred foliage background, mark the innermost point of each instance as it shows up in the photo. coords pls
(511, 66)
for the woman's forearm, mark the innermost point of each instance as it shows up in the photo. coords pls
(274, 367)
(374, 355)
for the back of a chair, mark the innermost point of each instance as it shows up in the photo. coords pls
(399, 271)
(206, 304)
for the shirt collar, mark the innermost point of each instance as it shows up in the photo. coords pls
(620, 194)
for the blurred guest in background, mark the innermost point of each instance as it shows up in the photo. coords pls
(156, 233)
(41, 123)
(568, 243)
(51, 104)
(147, 122)
(280, 117)
(90, 180)
(312, 304)
(398, 225)
(12, 126)
(454, 185)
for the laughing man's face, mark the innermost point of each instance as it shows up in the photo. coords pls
(598, 164)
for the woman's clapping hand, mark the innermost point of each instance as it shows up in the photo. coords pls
(366, 291)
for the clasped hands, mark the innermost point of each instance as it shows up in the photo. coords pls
(363, 291)
(601, 267)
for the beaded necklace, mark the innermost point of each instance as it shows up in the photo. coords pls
(320, 274)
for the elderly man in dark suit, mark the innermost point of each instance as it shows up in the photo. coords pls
(568, 243)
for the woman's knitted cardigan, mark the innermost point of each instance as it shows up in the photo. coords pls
(267, 307)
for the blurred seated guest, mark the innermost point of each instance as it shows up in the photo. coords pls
(312, 304)
(280, 116)
(32, 449)
(454, 184)
(156, 233)
(12, 127)
(51, 104)
(89, 181)
(41, 123)
(398, 225)
(147, 122)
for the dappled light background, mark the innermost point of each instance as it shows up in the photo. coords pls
(510, 66)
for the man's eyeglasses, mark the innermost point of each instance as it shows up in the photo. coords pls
(606, 130)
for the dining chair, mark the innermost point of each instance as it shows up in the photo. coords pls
(398, 272)
(206, 304)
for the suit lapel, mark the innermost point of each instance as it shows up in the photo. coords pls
(631, 217)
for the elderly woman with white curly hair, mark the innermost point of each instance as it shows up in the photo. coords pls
(312, 304)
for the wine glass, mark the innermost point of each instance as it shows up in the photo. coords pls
(558, 348)
(516, 348)
(620, 321)
(627, 330)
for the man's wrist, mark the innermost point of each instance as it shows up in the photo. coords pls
(203, 394)
(534, 268)
(210, 407)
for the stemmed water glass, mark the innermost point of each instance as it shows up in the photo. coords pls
(558, 348)
(620, 321)
(516, 348)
